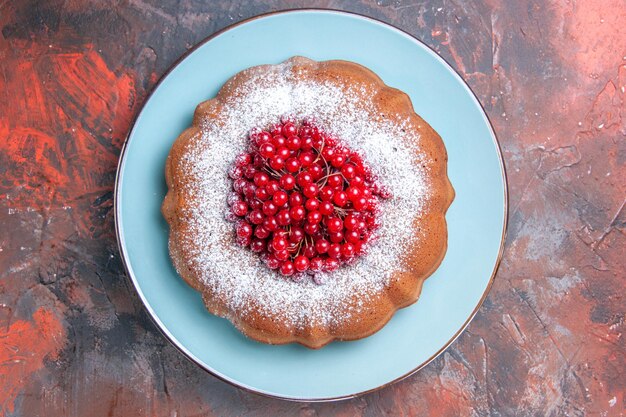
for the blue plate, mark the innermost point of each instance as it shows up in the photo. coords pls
(476, 219)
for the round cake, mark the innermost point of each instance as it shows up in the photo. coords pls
(307, 202)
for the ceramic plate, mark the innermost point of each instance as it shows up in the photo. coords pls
(476, 219)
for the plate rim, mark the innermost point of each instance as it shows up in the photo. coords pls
(126, 260)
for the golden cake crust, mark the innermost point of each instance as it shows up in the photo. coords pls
(403, 287)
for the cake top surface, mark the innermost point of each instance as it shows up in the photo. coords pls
(389, 145)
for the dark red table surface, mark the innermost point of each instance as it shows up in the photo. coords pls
(74, 338)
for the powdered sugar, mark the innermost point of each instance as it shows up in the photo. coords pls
(239, 276)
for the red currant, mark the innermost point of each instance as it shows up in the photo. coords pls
(317, 139)
(357, 181)
(243, 241)
(296, 235)
(233, 198)
(256, 217)
(340, 198)
(292, 164)
(261, 179)
(279, 243)
(334, 224)
(277, 162)
(335, 181)
(347, 250)
(334, 251)
(267, 150)
(330, 265)
(287, 268)
(309, 251)
(262, 138)
(272, 262)
(259, 162)
(385, 193)
(348, 171)
(353, 193)
(280, 198)
(316, 171)
(243, 159)
(316, 264)
(304, 130)
(238, 185)
(312, 204)
(276, 129)
(279, 140)
(301, 263)
(269, 208)
(287, 182)
(336, 237)
(261, 194)
(244, 229)
(310, 190)
(294, 143)
(352, 236)
(289, 129)
(255, 204)
(306, 158)
(311, 228)
(297, 213)
(283, 152)
(307, 143)
(249, 171)
(235, 172)
(337, 161)
(314, 217)
(326, 208)
(303, 179)
(326, 193)
(322, 245)
(296, 199)
(350, 221)
(261, 232)
(328, 152)
(283, 218)
(240, 208)
(257, 245)
(359, 203)
(270, 223)
(249, 189)
(358, 162)
(272, 187)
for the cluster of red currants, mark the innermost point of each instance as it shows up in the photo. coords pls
(302, 200)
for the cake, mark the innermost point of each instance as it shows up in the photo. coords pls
(246, 233)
